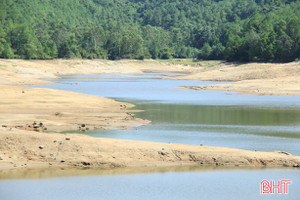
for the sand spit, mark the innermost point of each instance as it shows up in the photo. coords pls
(48, 110)
(28, 149)
(30, 117)
(252, 78)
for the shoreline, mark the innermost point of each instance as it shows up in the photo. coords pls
(25, 149)
(24, 144)
(251, 78)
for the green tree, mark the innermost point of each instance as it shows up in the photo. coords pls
(205, 51)
(234, 48)
(69, 49)
(24, 42)
(252, 45)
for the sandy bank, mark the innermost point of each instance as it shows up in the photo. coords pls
(59, 110)
(28, 149)
(29, 72)
(252, 78)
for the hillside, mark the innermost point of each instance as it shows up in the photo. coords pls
(246, 30)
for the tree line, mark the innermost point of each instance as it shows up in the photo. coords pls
(244, 30)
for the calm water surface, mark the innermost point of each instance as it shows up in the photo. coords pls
(265, 123)
(212, 118)
(201, 184)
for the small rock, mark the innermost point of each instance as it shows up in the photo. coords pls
(86, 163)
(123, 107)
(43, 155)
(57, 114)
(4, 126)
(296, 165)
(162, 153)
(201, 145)
(83, 125)
(62, 161)
(54, 141)
(285, 153)
(1, 158)
(68, 138)
(41, 124)
(41, 147)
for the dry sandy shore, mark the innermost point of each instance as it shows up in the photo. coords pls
(27, 149)
(27, 113)
(252, 78)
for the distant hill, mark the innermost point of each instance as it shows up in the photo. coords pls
(247, 30)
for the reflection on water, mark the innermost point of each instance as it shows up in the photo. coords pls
(219, 115)
(245, 127)
(165, 185)
(52, 172)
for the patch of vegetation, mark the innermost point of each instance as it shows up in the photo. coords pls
(192, 62)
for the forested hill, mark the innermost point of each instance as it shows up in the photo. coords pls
(247, 30)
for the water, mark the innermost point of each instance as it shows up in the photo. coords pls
(214, 118)
(150, 87)
(195, 184)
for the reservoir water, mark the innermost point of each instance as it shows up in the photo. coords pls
(213, 118)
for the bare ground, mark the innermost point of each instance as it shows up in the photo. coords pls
(252, 78)
(29, 149)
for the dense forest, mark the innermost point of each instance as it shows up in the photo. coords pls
(244, 30)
